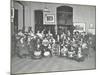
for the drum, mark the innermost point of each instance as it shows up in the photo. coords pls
(47, 53)
(37, 54)
(71, 54)
(79, 58)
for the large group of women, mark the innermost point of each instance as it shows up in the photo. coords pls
(39, 45)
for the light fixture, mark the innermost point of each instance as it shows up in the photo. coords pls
(46, 9)
(91, 25)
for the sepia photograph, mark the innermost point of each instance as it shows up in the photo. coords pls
(52, 37)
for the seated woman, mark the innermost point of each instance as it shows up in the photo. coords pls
(47, 52)
(56, 49)
(85, 49)
(45, 42)
(84, 46)
(76, 35)
(52, 41)
(74, 44)
(20, 38)
(79, 56)
(64, 51)
(46, 47)
(49, 34)
(19, 35)
(62, 37)
(38, 52)
(21, 47)
(71, 53)
(42, 34)
(31, 36)
(39, 35)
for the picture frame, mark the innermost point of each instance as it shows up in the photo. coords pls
(12, 12)
(49, 18)
(79, 26)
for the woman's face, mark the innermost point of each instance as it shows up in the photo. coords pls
(68, 38)
(68, 33)
(77, 33)
(38, 31)
(73, 39)
(49, 32)
(72, 48)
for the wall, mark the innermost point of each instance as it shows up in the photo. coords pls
(85, 14)
(29, 12)
(20, 14)
(81, 13)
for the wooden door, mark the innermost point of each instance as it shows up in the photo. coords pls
(38, 20)
(64, 19)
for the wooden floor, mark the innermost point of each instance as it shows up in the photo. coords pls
(28, 65)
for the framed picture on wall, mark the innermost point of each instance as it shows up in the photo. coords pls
(12, 12)
(49, 18)
(91, 29)
(79, 27)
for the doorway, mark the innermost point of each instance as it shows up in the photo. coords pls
(38, 20)
(15, 21)
(64, 19)
(39, 23)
